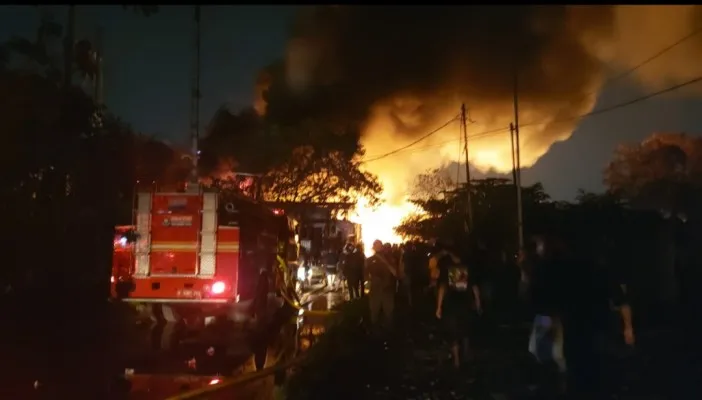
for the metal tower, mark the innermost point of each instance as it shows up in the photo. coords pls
(193, 185)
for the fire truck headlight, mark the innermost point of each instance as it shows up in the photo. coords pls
(218, 287)
(123, 241)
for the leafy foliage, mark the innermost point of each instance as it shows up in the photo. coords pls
(311, 178)
(307, 162)
(663, 173)
(144, 10)
(69, 170)
(494, 210)
(432, 184)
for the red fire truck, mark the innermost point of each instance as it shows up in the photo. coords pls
(198, 251)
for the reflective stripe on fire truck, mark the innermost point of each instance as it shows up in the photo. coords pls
(173, 246)
(208, 235)
(143, 228)
(227, 247)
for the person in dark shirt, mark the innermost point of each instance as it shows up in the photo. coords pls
(331, 261)
(352, 268)
(458, 302)
(571, 293)
(594, 290)
(383, 277)
(544, 268)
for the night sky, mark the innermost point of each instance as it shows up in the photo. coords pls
(148, 68)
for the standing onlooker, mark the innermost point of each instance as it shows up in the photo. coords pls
(382, 276)
(352, 267)
(458, 302)
(331, 263)
(405, 272)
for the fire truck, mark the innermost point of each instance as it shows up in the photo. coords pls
(197, 252)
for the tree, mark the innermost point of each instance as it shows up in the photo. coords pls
(494, 211)
(663, 173)
(432, 184)
(306, 162)
(68, 169)
(310, 177)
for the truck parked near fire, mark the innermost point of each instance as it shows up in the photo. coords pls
(196, 253)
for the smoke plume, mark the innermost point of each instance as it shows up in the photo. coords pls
(403, 71)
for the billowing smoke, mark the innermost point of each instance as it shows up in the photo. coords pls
(406, 70)
(403, 71)
(643, 31)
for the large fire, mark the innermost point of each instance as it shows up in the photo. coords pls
(380, 223)
(489, 150)
(407, 70)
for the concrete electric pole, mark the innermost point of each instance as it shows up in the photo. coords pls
(469, 204)
(193, 185)
(514, 131)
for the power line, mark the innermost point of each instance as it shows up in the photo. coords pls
(627, 103)
(614, 107)
(601, 110)
(376, 158)
(608, 81)
(638, 66)
(658, 54)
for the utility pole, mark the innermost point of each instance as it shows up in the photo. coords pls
(514, 158)
(469, 205)
(99, 76)
(193, 185)
(69, 46)
(518, 164)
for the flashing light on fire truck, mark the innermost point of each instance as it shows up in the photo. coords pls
(218, 287)
(278, 211)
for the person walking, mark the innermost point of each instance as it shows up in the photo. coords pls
(593, 292)
(458, 302)
(544, 267)
(383, 280)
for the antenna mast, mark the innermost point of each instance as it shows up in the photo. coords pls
(193, 185)
(99, 79)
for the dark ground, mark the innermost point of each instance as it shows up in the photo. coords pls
(415, 364)
(76, 347)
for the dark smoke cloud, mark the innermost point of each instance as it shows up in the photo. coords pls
(402, 71)
(342, 60)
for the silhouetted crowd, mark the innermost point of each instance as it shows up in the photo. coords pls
(570, 293)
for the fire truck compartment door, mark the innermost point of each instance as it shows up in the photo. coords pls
(208, 235)
(143, 229)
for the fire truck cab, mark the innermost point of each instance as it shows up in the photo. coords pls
(196, 250)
